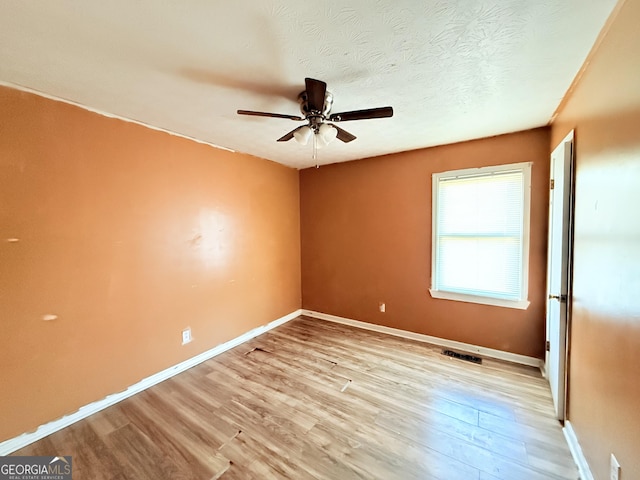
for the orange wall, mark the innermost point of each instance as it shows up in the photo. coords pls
(366, 238)
(604, 374)
(128, 235)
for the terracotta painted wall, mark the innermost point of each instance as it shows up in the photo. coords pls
(128, 235)
(366, 238)
(604, 374)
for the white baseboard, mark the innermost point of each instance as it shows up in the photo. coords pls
(576, 451)
(466, 347)
(16, 443)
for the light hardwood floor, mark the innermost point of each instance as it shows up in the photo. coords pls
(317, 400)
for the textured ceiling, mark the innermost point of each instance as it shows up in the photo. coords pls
(453, 70)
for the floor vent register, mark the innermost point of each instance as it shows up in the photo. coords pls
(462, 356)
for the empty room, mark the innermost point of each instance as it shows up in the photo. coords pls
(331, 240)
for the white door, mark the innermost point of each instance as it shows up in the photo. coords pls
(560, 200)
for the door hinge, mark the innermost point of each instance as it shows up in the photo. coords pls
(548, 346)
(552, 184)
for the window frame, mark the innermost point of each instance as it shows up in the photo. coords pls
(523, 302)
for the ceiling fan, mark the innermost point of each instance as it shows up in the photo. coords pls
(315, 106)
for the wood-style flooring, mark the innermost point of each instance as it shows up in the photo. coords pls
(317, 400)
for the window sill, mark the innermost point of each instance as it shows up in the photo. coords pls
(496, 302)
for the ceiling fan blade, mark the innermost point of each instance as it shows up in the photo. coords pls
(289, 136)
(316, 91)
(368, 113)
(343, 135)
(267, 114)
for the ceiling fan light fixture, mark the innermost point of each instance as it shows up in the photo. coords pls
(302, 135)
(327, 133)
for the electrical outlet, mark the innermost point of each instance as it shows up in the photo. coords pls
(186, 335)
(382, 307)
(615, 468)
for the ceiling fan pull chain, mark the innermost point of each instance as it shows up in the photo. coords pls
(315, 146)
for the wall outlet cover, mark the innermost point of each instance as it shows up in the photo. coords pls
(186, 335)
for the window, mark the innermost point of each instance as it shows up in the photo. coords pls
(480, 247)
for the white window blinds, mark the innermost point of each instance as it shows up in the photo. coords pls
(481, 233)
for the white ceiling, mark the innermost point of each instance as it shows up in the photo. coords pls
(453, 70)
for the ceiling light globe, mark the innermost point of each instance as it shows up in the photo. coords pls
(302, 135)
(327, 133)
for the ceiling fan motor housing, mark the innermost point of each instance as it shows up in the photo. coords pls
(303, 99)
